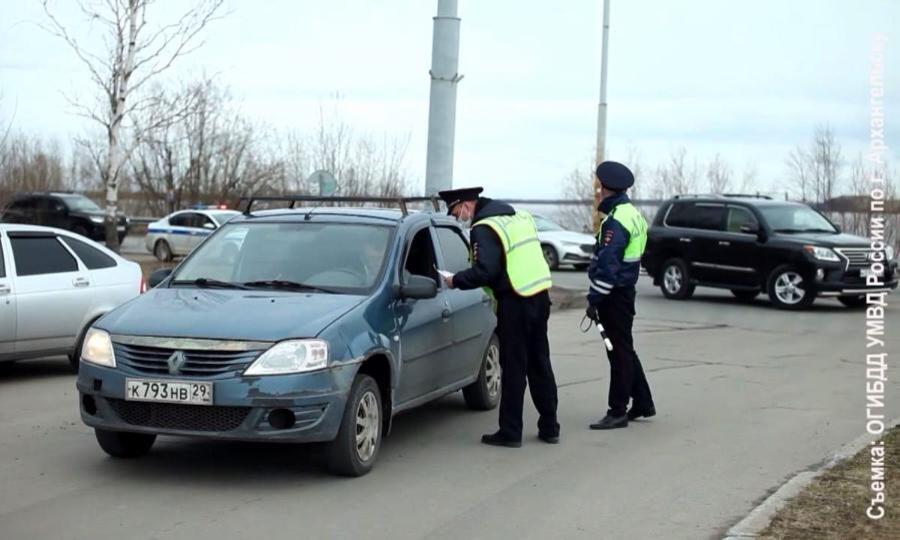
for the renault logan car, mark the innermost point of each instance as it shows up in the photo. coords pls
(53, 285)
(297, 326)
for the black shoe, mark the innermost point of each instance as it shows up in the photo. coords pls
(638, 412)
(495, 439)
(611, 422)
(549, 439)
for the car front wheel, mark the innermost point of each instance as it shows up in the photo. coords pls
(162, 251)
(788, 289)
(354, 451)
(676, 280)
(121, 444)
(484, 393)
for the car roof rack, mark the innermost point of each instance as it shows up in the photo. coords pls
(294, 199)
(722, 195)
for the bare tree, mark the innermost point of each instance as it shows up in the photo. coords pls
(748, 179)
(676, 176)
(816, 172)
(135, 53)
(718, 174)
(28, 163)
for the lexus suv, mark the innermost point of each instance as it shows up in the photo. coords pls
(295, 326)
(755, 244)
(62, 210)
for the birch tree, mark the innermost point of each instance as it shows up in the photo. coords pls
(139, 43)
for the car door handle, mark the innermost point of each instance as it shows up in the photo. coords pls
(81, 282)
(5, 289)
(445, 314)
(724, 243)
(685, 240)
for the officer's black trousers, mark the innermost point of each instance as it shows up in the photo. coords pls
(525, 354)
(627, 379)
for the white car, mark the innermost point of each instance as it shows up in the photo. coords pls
(54, 285)
(564, 247)
(179, 233)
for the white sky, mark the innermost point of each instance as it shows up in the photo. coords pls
(746, 79)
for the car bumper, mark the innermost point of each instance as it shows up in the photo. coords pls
(838, 281)
(241, 409)
(573, 255)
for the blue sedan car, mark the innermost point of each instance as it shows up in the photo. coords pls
(297, 326)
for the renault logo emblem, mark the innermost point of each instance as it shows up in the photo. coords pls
(176, 362)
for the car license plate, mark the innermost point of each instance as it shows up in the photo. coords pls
(162, 391)
(866, 272)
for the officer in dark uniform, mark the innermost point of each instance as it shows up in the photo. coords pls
(508, 262)
(613, 274)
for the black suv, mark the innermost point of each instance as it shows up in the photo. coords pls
(69, 211)
(752, 244)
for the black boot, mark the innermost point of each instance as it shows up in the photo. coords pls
(496, 439)
(611, 422)
(638, 412)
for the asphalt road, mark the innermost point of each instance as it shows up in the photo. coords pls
(747, 396)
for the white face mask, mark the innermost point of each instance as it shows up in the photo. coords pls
(465, 223)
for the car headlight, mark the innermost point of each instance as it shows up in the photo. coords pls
(296, 356)
(889, 253)
(98, 349)
(822, 253)
(98, 219)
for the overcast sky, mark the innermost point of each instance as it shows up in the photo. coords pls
(748, 80)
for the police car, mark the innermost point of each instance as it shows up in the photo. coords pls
(180, 232)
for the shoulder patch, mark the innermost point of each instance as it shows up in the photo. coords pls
(607, 237)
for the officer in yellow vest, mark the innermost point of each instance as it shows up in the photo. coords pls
(613, 274)
(508, 261)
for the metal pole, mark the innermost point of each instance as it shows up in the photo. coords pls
(601, 110)
(442, 105)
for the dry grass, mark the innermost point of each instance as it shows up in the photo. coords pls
(834, 505)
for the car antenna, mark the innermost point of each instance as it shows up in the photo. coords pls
(322, 201)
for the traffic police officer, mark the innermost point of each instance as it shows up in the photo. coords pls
(613, 273)
(507, 261)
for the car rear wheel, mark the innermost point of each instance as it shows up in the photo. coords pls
(551, 256)
(354, 451)
(122, 444)
(744, 295)
(852, 301)
(162, 251)
(676, 280)
(788, 289)
(484, 393)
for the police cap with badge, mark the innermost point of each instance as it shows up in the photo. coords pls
(615, 176)
(453, 197)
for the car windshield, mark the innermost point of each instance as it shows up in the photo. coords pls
(796, 219)
(77, 203)
(545, 225)
(326, 257)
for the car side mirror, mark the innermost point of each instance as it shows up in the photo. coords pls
(158, 276)
(419, 287)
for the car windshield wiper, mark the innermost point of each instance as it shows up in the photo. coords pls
(286, 285)
(790, 231)
(819, 229)
(209, 283)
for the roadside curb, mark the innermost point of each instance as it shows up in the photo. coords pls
(760, 517)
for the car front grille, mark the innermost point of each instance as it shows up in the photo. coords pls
(181, 417)
(855, 256)
(202, 363)
(587, 248)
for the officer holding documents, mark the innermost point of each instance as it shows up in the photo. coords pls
(508, 262)
(613, 274)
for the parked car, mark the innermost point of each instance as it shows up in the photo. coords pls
(53, 285)
(180, 232)
(562, 246)
(750, 245)
(69, 211)
(294, 325)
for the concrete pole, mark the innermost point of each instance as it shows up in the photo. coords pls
(601, 112)
(442, 105)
